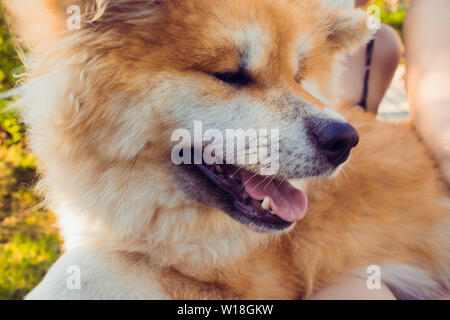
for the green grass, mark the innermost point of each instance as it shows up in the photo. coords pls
(29, 241)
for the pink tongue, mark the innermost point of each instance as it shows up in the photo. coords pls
(287, 202)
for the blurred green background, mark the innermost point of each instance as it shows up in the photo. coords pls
(29, 241)
(392, 12)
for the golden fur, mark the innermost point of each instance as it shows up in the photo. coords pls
(102, 102)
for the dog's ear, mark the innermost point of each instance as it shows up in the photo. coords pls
(347, 29)
(34, 21)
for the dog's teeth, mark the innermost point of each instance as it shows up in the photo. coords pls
(266, 203)
(219, 169)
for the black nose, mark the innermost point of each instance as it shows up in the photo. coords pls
(336, 139)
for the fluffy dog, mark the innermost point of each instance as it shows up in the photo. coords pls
(102, 102)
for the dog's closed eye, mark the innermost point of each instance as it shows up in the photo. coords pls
(240, 78)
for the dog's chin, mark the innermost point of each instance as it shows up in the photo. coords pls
(264, 203)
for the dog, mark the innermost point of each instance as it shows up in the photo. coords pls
(103, 98)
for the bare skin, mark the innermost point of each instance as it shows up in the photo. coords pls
(387, 52)
(353, 288)
(427, 45)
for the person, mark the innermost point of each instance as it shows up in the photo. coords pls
(427, 51)
(368, 73)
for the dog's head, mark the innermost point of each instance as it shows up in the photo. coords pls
(122, 109)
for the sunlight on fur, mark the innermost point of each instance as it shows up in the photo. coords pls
(101, 104)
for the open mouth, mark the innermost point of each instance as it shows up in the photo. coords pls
(265, 202)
